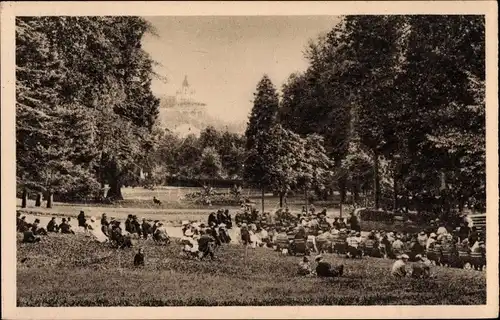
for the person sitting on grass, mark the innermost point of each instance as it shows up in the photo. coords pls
(52, 225)
(139, 258)
(30, 237)
(353, 245)
(65, 227)
(245, 235)
(304, 267)
(422, 269)
(398, 246)
(399, 267)
(205, 245)
(161, 234)
(117, 238)
(23, 225)
(37, 230)
(105, 225)
(325, 269)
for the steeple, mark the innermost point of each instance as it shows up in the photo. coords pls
(185, 83)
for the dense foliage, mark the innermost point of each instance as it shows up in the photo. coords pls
(399, 100)
(84, 105)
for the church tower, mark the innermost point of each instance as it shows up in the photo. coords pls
(185, 94)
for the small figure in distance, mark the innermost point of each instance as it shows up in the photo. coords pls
(139, 258)
(156, 201)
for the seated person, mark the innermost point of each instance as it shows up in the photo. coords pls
(205, 245)
(304, 267)
(52, 225)
(399, 267)
(37, 230)
(422, 269)
(353, 245)
(139, 258)
(29, 237)
(160, 234)
(65, 227)
(325, 269)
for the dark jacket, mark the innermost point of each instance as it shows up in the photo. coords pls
(139, 259)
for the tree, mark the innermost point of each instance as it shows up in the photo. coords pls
(93, 68)
(262, 118)
(210, 164)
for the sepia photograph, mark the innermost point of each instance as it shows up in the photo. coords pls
(232, 160)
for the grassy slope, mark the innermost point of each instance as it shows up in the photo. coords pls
(66, 271)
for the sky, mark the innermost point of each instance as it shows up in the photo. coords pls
(225, 57)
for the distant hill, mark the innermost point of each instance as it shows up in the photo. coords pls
(186, 120)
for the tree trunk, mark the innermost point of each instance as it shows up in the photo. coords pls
(307, 202)
(281, 199)
(395, 194)
(49, 199)
(356, 193)
(24, 201)
(262, 198)
(376, 184)
(115, 190)
(38, 201)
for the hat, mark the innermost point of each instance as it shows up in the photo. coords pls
(318, 257)
(418, 256)
(92, 219)
(358, 234)
(404, 256)
(433, 235)
(422, 233)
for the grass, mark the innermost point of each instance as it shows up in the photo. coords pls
(92, 274)
(173, 198)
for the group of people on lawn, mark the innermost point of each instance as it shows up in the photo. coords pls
(304, 233)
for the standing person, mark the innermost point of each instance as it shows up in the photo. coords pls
(128, 224)
(146, 228)
(399, 267)
(81, 220)
(105, 225)
(325, 269)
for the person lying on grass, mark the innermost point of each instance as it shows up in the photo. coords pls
(325, 269)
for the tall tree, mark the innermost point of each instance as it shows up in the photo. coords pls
(262, 118)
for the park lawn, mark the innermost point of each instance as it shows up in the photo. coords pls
(70, 270)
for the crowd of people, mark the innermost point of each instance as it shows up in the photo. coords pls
(305, 233)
